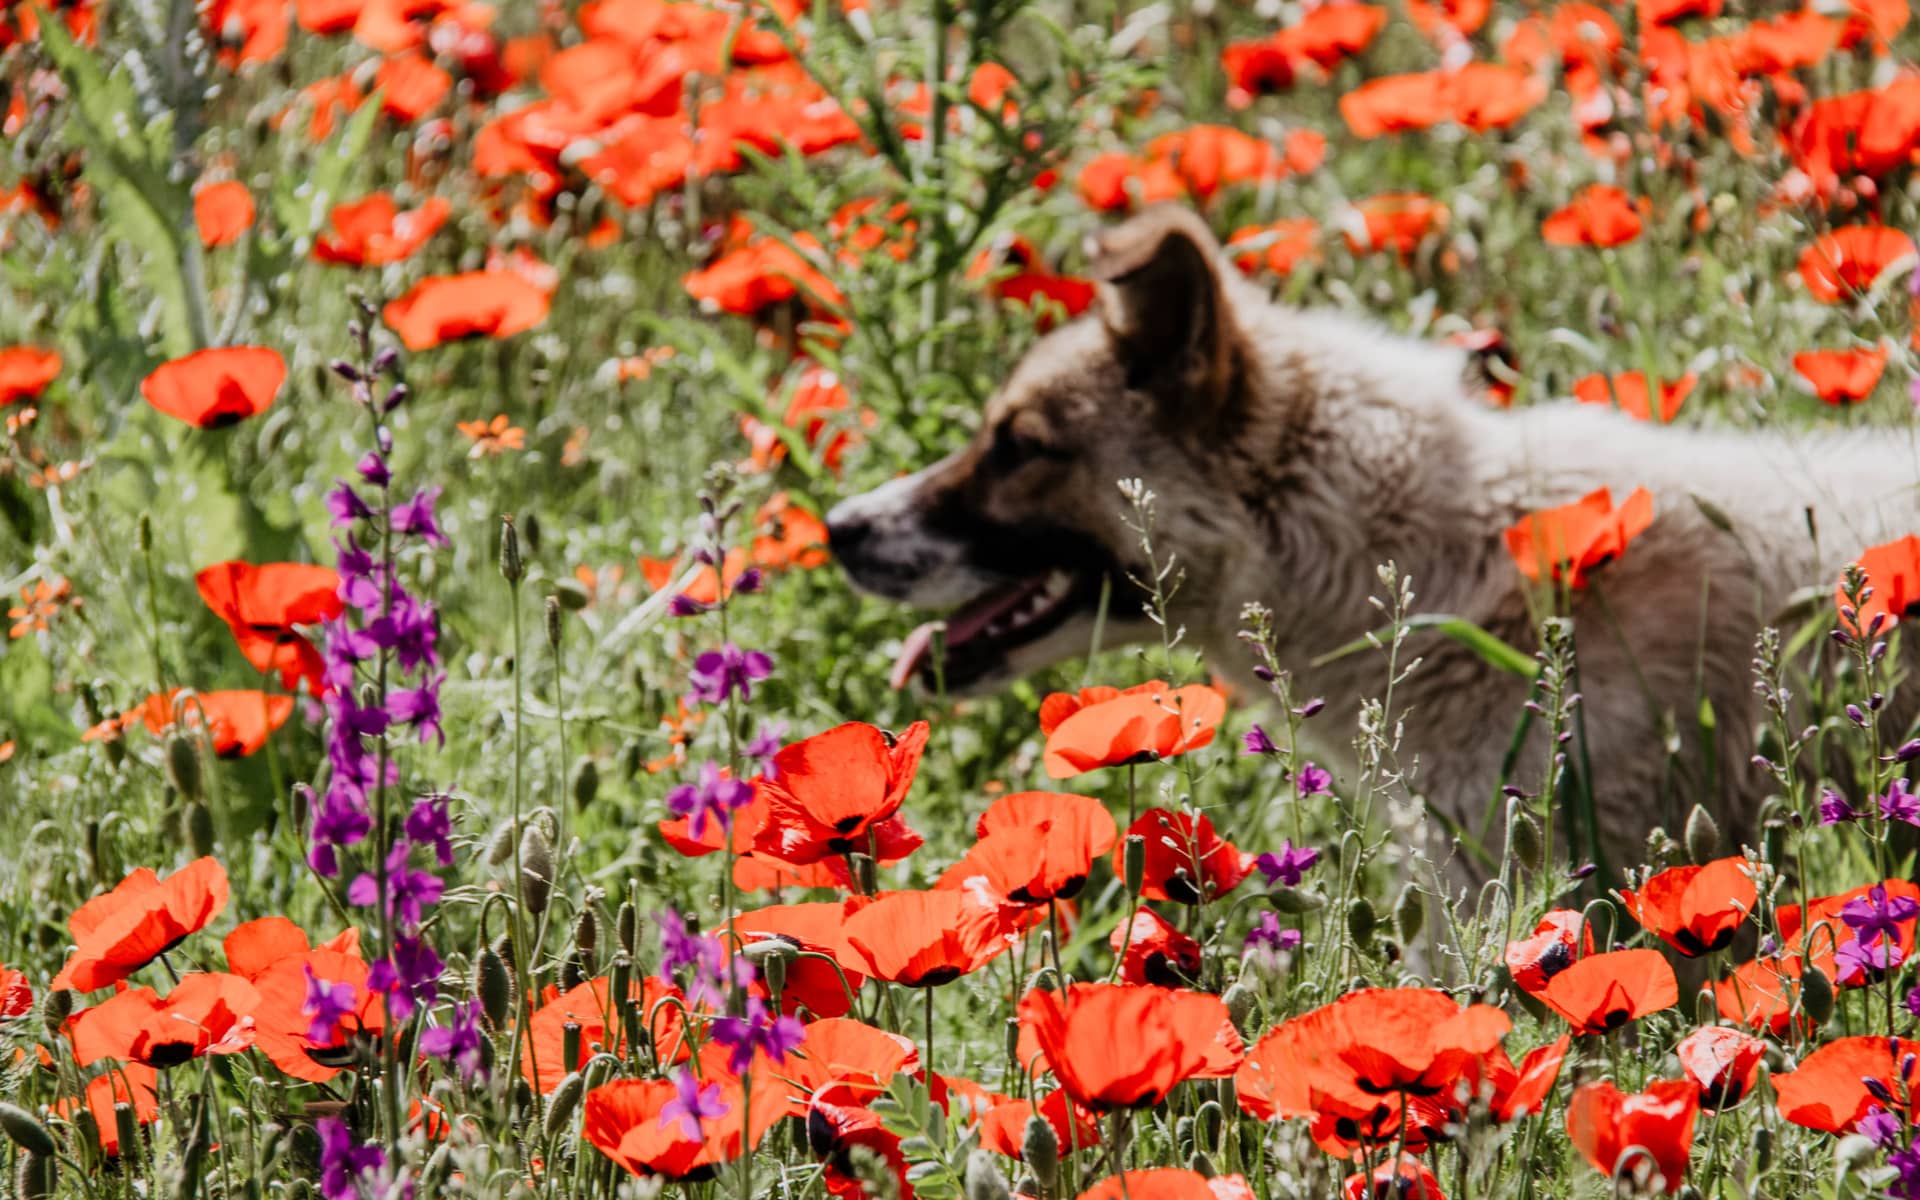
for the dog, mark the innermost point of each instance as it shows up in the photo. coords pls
(1292, 453)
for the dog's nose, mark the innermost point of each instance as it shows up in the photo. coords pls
(846, 528)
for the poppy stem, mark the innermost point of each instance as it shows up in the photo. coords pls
(929, 1060)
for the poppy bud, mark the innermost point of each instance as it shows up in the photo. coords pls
(183, 766)
(34, 1175)
(522, 1100)
(563, 1102)
(573, 973)
(1011, 1032)
(1040, 1150)
(626, 926)
(530, 528)
(25, 1131)
(1596, 920)
(1044, 980)
(396, 397)
(1208, 1122)
(299, 1189)
(621, 975)
(1183, 1132)
(200, 829)
(1201, 1165)
(586, 932)
(552, 615)
(1762, 1148)
(1854, 1151)
(1295, 901)
(1360, 921)
(512, 569)
(55, 1010)
(500, 845)
(126, 1128)
(1133, 861)
(1239, 1001)
(586, 782)
(1523, 837)
(1816, 994)
(1409, 913)
(536, 870)
(983, 1178)
(494, 986)
(1702, 837)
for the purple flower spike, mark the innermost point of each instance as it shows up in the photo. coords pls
(717, 674)
(1289, 865)
(693, 1102)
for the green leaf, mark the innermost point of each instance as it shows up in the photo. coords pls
(1491, 649)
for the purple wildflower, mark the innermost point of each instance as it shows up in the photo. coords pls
(1880, 1127)
(344, 1162)
(420, 708)
(458, 1041)
(765, 744)
(326, 1006)
(714, 795)
(758, 1031)
(346, 505)
(374, 469)
(415, 517)
(410, 976)
(1257, 741)
(1906, 1166)
(1875, 915)
(1314, 780)
(1268, 935)
(717, 674)
(693, 1102)
(684, 605)
(409, 892)
(1288, 865)
(429, 823)
(1857, 962)
(1834, 808)
(1900, 804)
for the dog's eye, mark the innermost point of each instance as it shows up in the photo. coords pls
(1016, 442)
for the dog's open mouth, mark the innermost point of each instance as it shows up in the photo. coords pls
(983, 633)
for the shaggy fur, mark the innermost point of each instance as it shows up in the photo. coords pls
(1293, 452)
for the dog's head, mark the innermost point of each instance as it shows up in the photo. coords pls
(1021, 530)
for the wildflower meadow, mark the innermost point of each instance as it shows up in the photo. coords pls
(439, 754)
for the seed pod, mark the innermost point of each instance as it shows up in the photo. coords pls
(512, 569)
(1523, 837)
(530, 524)
(183, 766)
(570, 1042)
(34, 1175)
(536, 870)
(1040, 1150)
(1201, 1165)
(552, 615)
(573, 972)
(563, 1102)
(1183, 1132)
(1409, 913)
(626, 926)
(500, 845)
(494, 986)
(1360, 921)
(1816, 994)
(522, 1100)
(25, 1131)
(1239, 1001)
(1762, 1148)
(200, 829)
(1295, 901)
(1134, 863)
(146, 533)
(55, 1010)
(621, 975)
(1011, 1031)
(1702, 837)
(983, 1178)
(126, 1127)
(774, 973)
(586, 782)
(571, 594)
(586, 932)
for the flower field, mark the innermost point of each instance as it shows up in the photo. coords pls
(439, 754)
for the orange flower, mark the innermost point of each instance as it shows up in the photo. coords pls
(1407, 1179)
(1281, 246)
(818, 396)
(827, 792)
(1017, 274)
(1396, 221)
(623, 1120)
(1893, 572)
(815, 929)
(1605, 1123)
(1168, 1183)
(1868, 133)
(25, 372)
(855, 1059)
(237, 722)
(1171, 1036)
(16, 994)
(1762, 994)
(1554, 945)
(132, 1084)
(1103, 727)
(1841, 376)
(1033, 847)
(262, 604)
(1848, 260)
(1156, 952)
(41, 604)
(1628, 391)
(211, 389)
(924, 939)
(1179, 851)
(142, 918)
(1572, 541)
(1523, 1090)
(1696, 910)
(1722, 1062)
(1003, 1126)
(602, 1026)
(446, 308)
(1479, 96)
(275, 956)
(222, 212)
(1602, 992)
(493, 437)
(204, 1014)
(373, 231)
(761, 274)
(411, 86)
(1601, 215)
(1829, 1091)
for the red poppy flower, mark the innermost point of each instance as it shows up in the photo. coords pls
(411, 86)
(373, 231)
(142, 918)
(237, 722)
(852, 1058)
(1553, 946)
(1722, 1062)
(1155, 952)
(835, 1129)
(1841, 376)
(222, 212)
(1171, 1036)
(447, 308)
(1395, 103)
(1829, 1091)
(16, 994)
(1004, 1125)
(1034, 847)
(1695, 910)
(815, 929)
(1017, 274)
(1628, 392)
(1601, 215)
(624, 1120)
(1163, 1183)
(203, 1014)
(1602, 992)
(1523, 1090)
(25, 372)
(1408, 1179)
(1848, 260)
(761, 274)
(1605, 1123)
(590, 1006)
(132, 1084)
(1396, 221)
(1572, 541)
(214, 388)
(262, 604)
(1893, 570)
(815, 410)
(1103, 727)
(1868, 133)
(829, 791)
(1280, 246)
(1761, 994)
(1180, 850)
(924, 939)
(275, 956)
(1796, 927)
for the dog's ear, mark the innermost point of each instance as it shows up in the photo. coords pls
(1165, 305)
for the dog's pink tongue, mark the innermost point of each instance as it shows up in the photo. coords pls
(913, 652)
